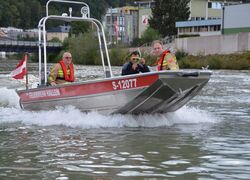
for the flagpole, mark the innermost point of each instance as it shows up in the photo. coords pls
(27, 80)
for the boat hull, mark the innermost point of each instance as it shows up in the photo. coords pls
(156, 92)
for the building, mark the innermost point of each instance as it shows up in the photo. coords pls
(127, 23)
(12, 33)
(121, 24)
(205, 18)
(3, 35)
(204, 10)
(236, 19)
(144, 14)
(60, 32)
(235, 27)
(202, 28)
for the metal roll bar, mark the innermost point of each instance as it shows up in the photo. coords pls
(85, 17)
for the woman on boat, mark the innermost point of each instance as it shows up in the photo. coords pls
(166, 60)
(62, 72)
(135, 65)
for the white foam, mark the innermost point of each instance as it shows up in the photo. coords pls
(72, 117)
(192, 115)
(8, 98)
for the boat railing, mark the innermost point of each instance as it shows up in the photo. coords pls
(84, 9)
(85, 16)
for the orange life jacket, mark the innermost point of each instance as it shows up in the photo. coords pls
(160, 61)
(70, 78)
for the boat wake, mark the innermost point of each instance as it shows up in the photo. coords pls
(69, 116)
(8, 98)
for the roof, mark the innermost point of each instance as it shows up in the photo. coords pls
(209, 22)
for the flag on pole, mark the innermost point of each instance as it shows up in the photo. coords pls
(21, 69)
(116, 28)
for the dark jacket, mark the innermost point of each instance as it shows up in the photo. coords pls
(127, 69)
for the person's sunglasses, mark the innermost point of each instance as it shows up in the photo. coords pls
(68, 57)
(136, 59)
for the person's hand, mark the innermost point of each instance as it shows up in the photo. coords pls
(53, 84)
(134, 66)
(143, 62)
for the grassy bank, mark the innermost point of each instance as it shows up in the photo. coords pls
(232, 61)
(119, 56)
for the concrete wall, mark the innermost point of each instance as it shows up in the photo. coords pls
(219, 44)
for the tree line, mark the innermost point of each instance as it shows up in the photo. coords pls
(25, 14)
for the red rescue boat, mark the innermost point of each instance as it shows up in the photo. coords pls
(153, 92)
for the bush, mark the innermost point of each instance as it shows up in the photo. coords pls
(84, 49)
(214, 63)
(118, 56)
(148, 36)
(150, 59)
(137, 42)
(180, 54)
(232, 61)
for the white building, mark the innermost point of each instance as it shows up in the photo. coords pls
(205, 18)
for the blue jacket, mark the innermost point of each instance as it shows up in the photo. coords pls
(127, 69)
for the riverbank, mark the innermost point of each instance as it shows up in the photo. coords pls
(119, 56)
(239, 61)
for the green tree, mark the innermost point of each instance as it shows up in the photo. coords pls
(79, 28)
(150, 34)
(166, 13)
(84, 48)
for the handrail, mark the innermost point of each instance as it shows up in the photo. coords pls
(67, 18)
(64, 17)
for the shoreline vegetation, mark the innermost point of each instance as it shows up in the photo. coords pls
(119, 56)
(85, 50)
(235, 61)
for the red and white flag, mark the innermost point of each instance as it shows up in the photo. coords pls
(21, 69)
(116, 28)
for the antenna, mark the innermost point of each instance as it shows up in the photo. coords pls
(70, 11)
(139, 51)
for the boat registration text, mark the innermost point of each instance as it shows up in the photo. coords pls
(124, 84)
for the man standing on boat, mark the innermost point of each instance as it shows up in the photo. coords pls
(166, 60)
(135, 65)
(62, 72)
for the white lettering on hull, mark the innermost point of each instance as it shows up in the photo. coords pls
(44, 93)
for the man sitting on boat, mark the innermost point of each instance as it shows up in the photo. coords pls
(166, 60)
(62, 72)
(135, 65)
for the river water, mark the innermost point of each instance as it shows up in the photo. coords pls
(209, 138)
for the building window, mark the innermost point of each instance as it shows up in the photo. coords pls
(196, 29)
(214, 5)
